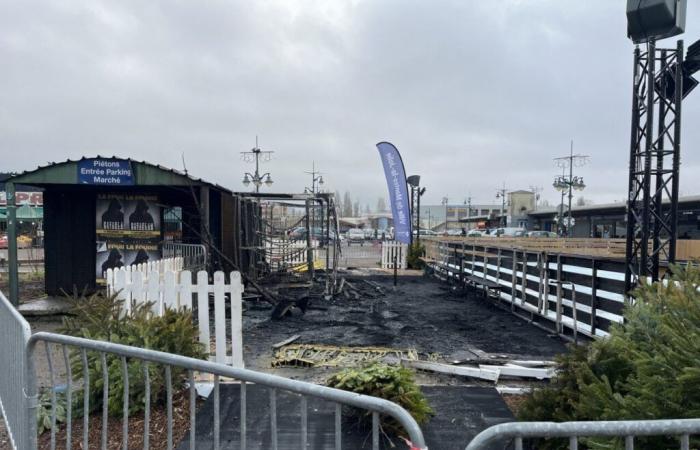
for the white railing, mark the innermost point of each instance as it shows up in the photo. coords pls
(394, 252)
(579, 294)
(173, 289)
(284, 253)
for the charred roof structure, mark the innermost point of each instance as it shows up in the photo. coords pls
(104, 212)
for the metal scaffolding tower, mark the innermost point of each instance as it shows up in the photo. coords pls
(654, 161)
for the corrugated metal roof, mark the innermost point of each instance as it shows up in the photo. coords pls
(18, 177)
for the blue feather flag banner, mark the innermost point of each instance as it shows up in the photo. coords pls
(398, 190)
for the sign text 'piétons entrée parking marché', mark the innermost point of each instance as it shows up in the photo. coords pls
(107, 171)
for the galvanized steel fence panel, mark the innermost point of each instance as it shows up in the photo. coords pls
(626, 430)
(169, 361)
(14, 335)
(194, 255)
(365, 254)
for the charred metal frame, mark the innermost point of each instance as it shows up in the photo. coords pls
(655, 141)
(320, 211)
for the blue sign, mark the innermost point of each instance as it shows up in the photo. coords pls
(105, 171)
(398, 191)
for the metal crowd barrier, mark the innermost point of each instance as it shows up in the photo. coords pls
(14, 335)
(194, 255)
(376, 405)
(625, 429)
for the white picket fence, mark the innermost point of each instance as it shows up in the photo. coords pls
(175, 264)
(394, 251)
(174, 289)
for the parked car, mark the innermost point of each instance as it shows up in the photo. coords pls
(542, 234)
(476, 233)
(355, 235)
(425, 232)
(508, 232)
(454, 232)
(369, 233)
(317, 233)
(297, 233)
(386, 234)
(23, 241)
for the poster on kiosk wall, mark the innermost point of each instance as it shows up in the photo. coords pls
(128, 230)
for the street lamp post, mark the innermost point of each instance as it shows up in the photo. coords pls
(468, 202)
(316, 178)
(444, 202)
(416, 193)
(256, 178)
(501, 193)
(569, 183)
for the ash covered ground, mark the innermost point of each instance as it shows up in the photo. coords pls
(421, 314)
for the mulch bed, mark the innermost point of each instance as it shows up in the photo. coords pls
(158, 428)
(514, 402)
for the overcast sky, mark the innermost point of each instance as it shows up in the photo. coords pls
(473, 93)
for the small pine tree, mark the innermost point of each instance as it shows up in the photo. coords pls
(646, 369)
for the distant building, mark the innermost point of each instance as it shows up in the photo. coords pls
(30, 207)
(610, 220)
(433, 216)
(482, 215)
(520, 204)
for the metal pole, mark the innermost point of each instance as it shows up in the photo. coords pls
(396, 259)
(446, 201)
(503, 207)
(256, 150)
(309, 250)
(12, 243)
(418, 220)
(328, 234)
(659, 179)
(676, 154)
(413, 200)
(648, 144)
(633, 166)
(569, 228)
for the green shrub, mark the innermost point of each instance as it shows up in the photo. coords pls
(388, 382)
(648, 368)
(44, 408)
(413, 259)
(100, 318)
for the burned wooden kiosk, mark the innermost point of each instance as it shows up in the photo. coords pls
(105, 212)
(283, 232)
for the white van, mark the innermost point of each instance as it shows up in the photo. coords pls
(509, 232)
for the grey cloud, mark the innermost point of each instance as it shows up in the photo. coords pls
(472, 93)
